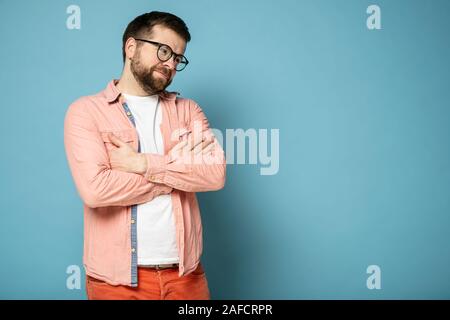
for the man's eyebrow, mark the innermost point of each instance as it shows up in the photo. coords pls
(179, 54)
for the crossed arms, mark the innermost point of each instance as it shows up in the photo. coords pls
(123, 177)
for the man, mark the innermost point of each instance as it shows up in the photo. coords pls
(138, 154)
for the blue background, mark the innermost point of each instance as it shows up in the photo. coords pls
(364, 154)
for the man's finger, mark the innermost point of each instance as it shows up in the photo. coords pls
(193, 141)
(115, 139)
(176, 149)
(209, 148)
(198, 148)
(179, 145)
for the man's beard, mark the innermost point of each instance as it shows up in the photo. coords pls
(148, 82)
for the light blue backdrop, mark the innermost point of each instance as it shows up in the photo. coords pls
(364, 126)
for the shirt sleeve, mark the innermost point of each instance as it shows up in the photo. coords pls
(198, 174)
(98, 185)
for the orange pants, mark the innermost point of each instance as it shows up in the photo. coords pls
(153, 285)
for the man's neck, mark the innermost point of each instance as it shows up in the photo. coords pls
(127, 84)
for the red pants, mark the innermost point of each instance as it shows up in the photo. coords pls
(153, 285)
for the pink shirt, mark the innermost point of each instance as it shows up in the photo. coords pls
(110, 196)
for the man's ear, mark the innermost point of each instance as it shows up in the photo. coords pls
(130, 48)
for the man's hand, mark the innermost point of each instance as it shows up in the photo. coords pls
(124, 158)
(193, 144)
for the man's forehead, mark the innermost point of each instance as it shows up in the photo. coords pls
(167, 36)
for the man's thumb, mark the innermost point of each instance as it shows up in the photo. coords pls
(114, 139)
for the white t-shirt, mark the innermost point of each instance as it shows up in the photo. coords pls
(156, 233)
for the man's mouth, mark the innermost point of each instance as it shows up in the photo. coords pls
(163, 74)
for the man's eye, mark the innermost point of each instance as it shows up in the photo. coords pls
(164, 51)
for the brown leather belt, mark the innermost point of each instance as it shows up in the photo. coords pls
(159, 266)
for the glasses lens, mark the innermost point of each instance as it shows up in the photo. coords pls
(181, 63)
(164, 53)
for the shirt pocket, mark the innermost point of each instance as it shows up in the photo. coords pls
(126, 135)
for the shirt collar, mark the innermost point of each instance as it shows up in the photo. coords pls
(112, 93)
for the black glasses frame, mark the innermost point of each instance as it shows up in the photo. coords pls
(173, 54)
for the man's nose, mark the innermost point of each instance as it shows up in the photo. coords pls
(170, 63)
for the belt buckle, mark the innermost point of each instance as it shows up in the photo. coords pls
(166, 266)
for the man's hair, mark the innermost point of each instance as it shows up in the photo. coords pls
(143, 26)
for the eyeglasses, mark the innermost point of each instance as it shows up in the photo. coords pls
(165, 52)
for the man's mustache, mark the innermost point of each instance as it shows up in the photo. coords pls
(164, 71)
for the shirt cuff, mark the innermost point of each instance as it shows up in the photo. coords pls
(156, 167)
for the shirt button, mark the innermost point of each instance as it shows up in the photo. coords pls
(128, 113)
(133, 250)
(132, 221)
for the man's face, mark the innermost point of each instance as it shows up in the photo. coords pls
(152, 74)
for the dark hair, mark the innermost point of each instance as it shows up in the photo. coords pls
(143, 25)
